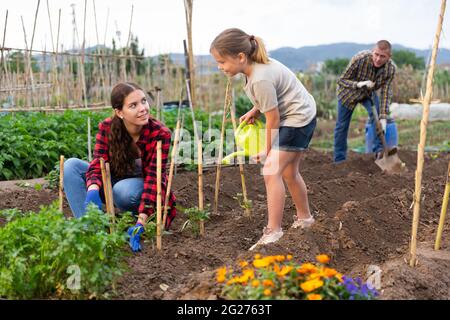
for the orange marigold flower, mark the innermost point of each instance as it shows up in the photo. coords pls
(255, 283)
(329, 272)
(339, 277)
(243, 264)
(268, 283)
(220, 278)
(257, 256)
(280, 258)
(289, 257)
(311, 285)
(267, 292)
(307, 268)
(323, 258)
(313, 296)
(284, 271)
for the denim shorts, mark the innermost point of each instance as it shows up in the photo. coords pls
(293, 138)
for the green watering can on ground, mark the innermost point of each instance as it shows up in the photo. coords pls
(250, 138)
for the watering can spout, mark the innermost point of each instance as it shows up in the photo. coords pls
(250, 138)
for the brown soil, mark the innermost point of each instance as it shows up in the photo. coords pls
(363, 218)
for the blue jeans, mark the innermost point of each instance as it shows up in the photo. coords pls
(126, 192)
(344, 117)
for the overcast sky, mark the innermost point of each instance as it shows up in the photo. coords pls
(161, 28)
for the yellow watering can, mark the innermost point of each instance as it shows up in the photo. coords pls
(250, 138)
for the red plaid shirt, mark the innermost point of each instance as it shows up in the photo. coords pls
(150, 135)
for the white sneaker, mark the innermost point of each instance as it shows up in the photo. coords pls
(269, 236)
(302, 223)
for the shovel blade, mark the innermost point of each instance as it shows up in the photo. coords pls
(390, 163)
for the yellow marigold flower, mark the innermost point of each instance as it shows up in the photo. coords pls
(267, 292)
(220, 278)
(268, 283)
(311, 285)
(280, 258)
(323, 258)
(313, 296)
(284, 271)
(233, 280)
(307, 268)
(249, 273)
(316, 275)
(289, 257)
(339, 277)
(329, 272)
(243, 264)
(257, 256)
(261, 263)
(255, 283)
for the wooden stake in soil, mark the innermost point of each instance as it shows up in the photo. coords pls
(61, 182)
(158, 194)
(222, 137)
(423, 137)
(241, 166)
(437, 245)
(172, 165)
(107, 190)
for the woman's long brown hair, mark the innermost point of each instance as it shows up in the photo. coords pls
(123, 152)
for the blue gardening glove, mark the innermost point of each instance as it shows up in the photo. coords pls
(135, 236)
(94, 197)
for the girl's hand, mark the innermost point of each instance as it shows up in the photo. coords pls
(250, 116)
(260, 157)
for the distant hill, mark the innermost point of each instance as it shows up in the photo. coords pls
(298, 59)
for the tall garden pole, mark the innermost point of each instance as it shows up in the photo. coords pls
(3, 58)
(423, 137)
(158, 194)
(188, 6)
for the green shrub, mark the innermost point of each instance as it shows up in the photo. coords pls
(44, 255)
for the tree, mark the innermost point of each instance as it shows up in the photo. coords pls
(404, 58)
(336, 66)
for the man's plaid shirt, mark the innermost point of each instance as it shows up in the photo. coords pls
(361, 68)
(150, 135)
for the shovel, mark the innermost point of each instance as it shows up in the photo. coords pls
(390, 162)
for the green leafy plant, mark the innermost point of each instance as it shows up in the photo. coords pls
(244, 204)
(194, 217)
(46, 255)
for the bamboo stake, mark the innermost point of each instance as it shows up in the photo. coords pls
(158, 194)
(222, 138)
(102, 75)
(188, 6)
(437, 245)
(200, 183)
(110, 198)
(241, 165)
(105, 184)
(172, 164)
(61, 183)
(107, 190)
(3, 58)
(423, 137)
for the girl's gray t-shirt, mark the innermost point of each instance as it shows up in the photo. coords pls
(274, 85)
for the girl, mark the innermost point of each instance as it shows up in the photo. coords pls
(128, 142)
(290, 113)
